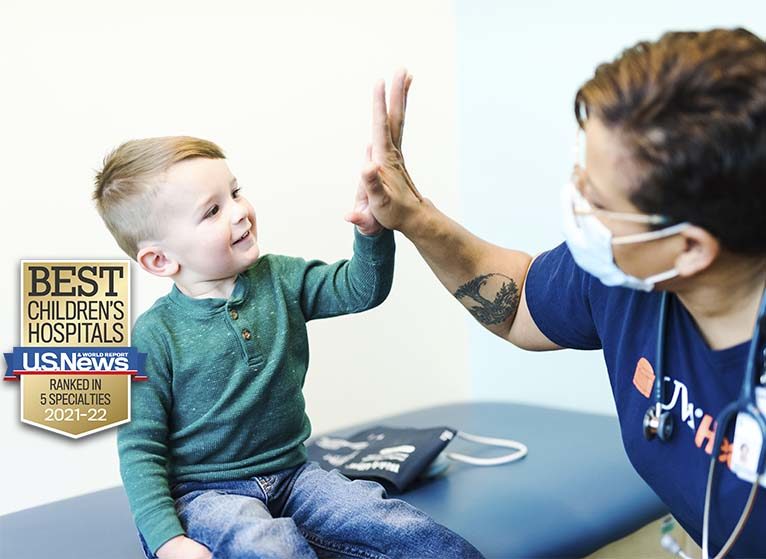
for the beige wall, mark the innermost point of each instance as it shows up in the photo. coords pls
(285, 89)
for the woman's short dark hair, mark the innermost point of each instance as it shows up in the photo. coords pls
(691, 109)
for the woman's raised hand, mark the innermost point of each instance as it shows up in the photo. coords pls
(392, 196)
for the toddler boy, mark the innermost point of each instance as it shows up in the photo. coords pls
(213, 459)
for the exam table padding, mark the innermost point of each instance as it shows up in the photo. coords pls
(574, 493)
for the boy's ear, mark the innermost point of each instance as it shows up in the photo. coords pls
(154, 260)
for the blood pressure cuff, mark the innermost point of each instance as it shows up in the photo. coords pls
(394, 457)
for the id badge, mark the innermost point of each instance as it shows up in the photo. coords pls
(746, 447)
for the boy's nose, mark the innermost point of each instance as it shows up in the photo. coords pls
(238, 213)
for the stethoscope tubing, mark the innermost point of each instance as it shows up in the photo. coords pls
(744, 404)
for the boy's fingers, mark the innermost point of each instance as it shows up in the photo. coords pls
(368, 154)
(353, 217)
(370, 179)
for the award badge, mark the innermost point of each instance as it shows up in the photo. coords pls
(74, 363)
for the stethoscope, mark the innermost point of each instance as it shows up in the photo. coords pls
(660, 424)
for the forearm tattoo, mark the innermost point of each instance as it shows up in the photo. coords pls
(486, 311)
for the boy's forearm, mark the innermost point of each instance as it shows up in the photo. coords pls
(142, 449)
(348, 286)
(372, 265)
(485, 278)
(144, 477)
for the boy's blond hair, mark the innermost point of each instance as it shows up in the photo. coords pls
(127, 184)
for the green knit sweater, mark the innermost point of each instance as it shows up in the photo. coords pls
(224, 396)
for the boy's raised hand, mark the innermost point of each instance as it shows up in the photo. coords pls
(362, 215)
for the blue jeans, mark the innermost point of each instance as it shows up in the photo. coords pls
(306, 512)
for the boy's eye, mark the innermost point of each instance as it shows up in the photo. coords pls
(235, 192)
(212, 211)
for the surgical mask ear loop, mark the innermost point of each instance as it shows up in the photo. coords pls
(521, 451)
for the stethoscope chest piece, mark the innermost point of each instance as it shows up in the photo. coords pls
(657, 423)
(660, 427)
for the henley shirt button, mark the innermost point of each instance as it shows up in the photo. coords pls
(246, 334)
(234, 314)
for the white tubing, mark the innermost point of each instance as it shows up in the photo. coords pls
(521, 451)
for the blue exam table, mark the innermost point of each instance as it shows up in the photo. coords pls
(574, 493)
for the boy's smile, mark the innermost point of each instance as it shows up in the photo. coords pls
(209, 227)
(244, 236)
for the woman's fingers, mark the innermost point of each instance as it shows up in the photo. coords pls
(396, 106)
(381, 134)
(407, 84)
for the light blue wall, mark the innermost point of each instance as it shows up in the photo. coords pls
(519, 66)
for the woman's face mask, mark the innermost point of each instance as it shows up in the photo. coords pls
(590, 241)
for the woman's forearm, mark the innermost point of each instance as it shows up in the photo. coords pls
(485, 278)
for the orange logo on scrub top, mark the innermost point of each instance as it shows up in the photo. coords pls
(704, 431)
(643, 378)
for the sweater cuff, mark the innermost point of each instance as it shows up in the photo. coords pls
(375, 248)
(158, 528)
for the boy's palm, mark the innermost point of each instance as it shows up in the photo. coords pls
(361, 216)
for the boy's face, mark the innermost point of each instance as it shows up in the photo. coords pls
(210, 228)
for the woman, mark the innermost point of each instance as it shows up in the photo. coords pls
(670, 200)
